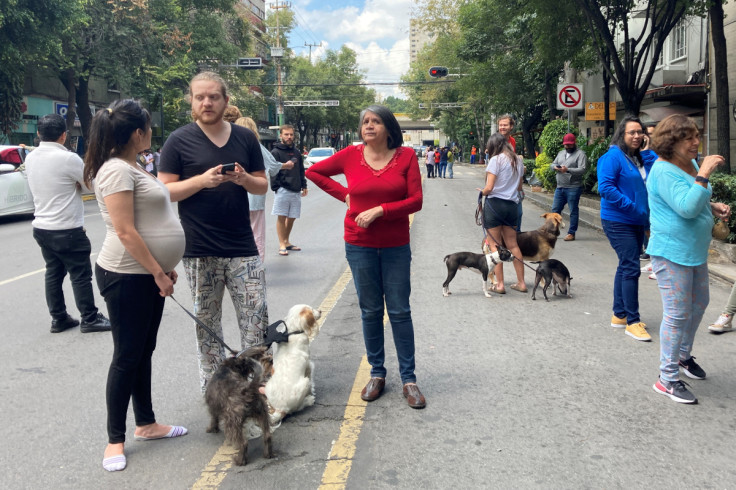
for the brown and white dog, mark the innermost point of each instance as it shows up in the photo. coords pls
(537, 244)
(290, 388)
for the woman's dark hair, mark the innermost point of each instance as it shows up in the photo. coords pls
(670, 131)
(618, 136)
(110, 133)
(395, 138)
(498, 145)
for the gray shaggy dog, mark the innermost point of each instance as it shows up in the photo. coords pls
(233, 396)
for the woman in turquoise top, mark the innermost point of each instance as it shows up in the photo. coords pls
(681, 222)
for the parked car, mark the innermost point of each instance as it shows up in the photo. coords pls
(15, 194)
(317, 155)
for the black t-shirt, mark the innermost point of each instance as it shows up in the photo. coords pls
(216, 221)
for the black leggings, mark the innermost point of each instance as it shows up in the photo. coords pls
(135, 308)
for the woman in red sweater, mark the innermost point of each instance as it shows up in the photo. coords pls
(383, 188)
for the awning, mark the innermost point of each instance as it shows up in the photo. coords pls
(659, 113)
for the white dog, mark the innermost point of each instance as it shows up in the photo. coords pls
(290, 388)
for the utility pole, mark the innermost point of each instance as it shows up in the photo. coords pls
(310, 49)
(277, 53)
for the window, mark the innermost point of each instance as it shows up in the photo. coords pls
(678, 42)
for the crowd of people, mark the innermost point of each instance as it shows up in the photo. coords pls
(218, 172)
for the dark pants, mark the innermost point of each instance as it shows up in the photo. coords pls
(67, 251)
(383, 275)
(571, 197)
(135, 308)
(430, 170)
(626, 240)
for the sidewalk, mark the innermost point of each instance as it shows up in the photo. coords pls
(721, 261)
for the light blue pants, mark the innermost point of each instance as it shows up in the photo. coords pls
(449, 168)
(685, 295)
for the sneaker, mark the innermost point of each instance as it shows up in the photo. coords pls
(723, 324)
(63, 324)
(570, 237)
(676, 390)
(101, 324)
(637, 331)
(644, 256)
(617, 322)
(647, 268)
(653, 276)
(692, 369)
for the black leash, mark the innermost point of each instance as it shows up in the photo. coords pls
(205, 327)
(505, 224)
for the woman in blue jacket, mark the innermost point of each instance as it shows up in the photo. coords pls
(622, 175)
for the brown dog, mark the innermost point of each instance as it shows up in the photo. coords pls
(538, 244)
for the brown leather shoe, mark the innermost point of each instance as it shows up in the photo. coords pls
(413, 396)
(373, 389)
(570, 237)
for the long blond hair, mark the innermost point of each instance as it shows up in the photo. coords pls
(249, 123)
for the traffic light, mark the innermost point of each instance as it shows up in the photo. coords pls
(438, 71)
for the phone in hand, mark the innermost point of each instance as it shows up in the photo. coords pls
(558, 166)
(227, 167)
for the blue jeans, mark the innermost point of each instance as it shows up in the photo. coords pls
(443, 168)
(571, 197)
(383, 274)
(685, 296)
(449, 168)
(626, 240)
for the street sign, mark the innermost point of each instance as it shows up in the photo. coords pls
(595, 111)
(311, 103)
(570, 96)
(250, 63)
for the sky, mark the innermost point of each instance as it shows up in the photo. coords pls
(377, 30)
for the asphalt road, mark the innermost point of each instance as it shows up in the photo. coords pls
(520, 393)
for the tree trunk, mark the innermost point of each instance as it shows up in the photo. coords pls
(85, 113)
(723, 114)
(607, 98)
(70, 83)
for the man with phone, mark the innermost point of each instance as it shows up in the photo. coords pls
(289, 186)
(213, 206)
(570, 166)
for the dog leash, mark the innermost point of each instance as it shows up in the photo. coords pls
(205, 327)
(496, 241)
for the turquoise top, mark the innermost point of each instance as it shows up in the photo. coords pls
(680, 217)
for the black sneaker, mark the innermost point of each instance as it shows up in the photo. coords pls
(692, 369)
(101, 324)
(644, 256)
(676, 390)
(63, 324)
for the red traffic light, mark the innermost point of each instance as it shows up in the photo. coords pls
(438, 71)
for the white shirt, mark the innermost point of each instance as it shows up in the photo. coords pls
(55, 178)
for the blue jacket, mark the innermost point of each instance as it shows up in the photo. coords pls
(623, 191)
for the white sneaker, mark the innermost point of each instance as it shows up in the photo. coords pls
(653, 276)
(723, 324)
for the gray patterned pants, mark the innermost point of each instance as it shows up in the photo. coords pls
(245, 280)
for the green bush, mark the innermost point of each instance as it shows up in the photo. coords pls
(594, 152)
(529, 164)
(544, 173)
(724, 190)
(552, 134)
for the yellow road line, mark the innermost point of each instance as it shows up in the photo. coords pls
(216, 470)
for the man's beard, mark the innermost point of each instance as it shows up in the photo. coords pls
(211, 118)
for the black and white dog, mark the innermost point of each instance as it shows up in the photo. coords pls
(482, 262)
(552, 272)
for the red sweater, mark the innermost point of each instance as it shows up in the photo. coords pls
(397, 188)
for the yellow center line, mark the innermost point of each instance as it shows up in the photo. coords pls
(214, 473)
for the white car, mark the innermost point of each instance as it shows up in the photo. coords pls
(15, 195)
(317, 155)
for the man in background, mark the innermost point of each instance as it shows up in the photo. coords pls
(289, 186)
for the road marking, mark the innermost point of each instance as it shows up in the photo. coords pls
(28, 274)
(216, 470)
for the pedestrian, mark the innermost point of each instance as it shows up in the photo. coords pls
(148, 156)
(220, 250)
(55, 177)
(135, 268)
(156, 159)
(437, 156)
(647, 155)
(232, 113)
(257, 202)
(504, 176)
(622, 178)
(383, 188)
(569, 164)
(681, 217)
(473, 152)
(451, 161)
(289, 186)
(430, 162)
(443, 162)
(724, 323)
(505, 126)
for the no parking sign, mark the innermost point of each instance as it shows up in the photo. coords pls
(570, 96)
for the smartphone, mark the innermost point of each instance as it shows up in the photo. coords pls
(227, 167)
(558, 166)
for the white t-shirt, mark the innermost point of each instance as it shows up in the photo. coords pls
(507, 179)
(55, 178)
(154, 218)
